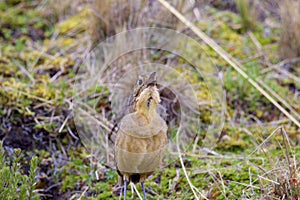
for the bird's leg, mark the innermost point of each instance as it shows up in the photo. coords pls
(144, 191)
(125, 184)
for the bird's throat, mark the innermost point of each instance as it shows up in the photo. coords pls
(149, 101)
(147, 110)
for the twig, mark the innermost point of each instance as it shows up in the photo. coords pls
(195, 144)
(209, 151)
(259, 146)
(250, 180)
(244, 184)
(53, 78)
(62, 148)
(286, 144)
(86, 188)
(256, 42)
(176, 180)
(52, 186)
(196, 10)
(193, 188)
(136, 191)
(261, 177)
(217, 180)
(25, 71)
(281, 71)
(71, 133)
(63, 124)
(280, 64)
(250, 58)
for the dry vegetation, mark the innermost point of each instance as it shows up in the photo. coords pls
(42, 45)
(111, 17)
(290, 23)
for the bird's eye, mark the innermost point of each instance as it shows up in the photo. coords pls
(140, 82)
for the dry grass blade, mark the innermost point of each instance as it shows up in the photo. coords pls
(193, 188)
(261, 144)
(271, 181)
(219, 182)
(282, 181)
(50, 102)
(233, 62)
(82, 194)
(25, 71)
(175, 180)
(137, 192)
(278, 68)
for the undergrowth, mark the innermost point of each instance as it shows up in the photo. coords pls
(14, 183)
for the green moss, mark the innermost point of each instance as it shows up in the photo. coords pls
(77, 22)
(17, 20)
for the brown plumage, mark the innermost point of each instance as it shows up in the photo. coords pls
(141, 139)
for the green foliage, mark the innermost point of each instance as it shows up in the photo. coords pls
(14, 184)
(241, 90)
(80, 172)
(20, 22)
(75, 22)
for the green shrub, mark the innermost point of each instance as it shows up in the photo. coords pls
(14, 184)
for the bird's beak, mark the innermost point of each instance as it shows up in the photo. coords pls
(152, 80)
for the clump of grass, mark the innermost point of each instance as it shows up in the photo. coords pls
(283, 180)
(111, 17)
(289, 44)
(247, 14)
(288, 183)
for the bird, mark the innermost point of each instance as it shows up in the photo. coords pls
(141, 139)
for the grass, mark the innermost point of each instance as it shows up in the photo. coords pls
(112, 17)
(246, 11)
(290, 23)
(257, 153)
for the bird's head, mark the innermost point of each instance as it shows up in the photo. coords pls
(146, 95)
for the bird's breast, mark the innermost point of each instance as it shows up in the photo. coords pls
(133, 125)
(139, 149)
(139, 155)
